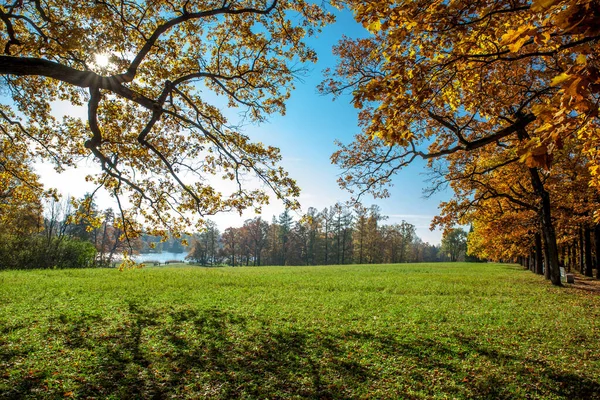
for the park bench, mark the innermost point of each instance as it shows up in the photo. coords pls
(569, 278)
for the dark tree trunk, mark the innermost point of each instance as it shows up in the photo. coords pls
(581, 252)
(539, 263)
(546, 258)
(597, 246)
(588, 251)
(571, 251)
(574, 259)
(552, 267)
(552, 270)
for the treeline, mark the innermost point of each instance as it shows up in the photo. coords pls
(335, 235)
(543, 219)
(77, 234)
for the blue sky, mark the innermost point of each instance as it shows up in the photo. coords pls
(306, 136)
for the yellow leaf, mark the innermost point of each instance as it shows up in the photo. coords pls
(573, 89)
(516, 46)
(542, 38)
(538, 109)
(410, 25)
(581, 59)
(560, 79)
(514, 34)
(374, 26)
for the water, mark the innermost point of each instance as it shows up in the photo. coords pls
(161, 257)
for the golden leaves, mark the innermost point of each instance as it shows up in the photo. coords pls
(493, 89)
(155, 136)
(536, 155)
(560, 79)
(374, 26)
(514, 39)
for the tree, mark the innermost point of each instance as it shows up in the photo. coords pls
(85, 219)
(231, 245)
(257, 231)
(108, 239)
(464, 78)
(470, 255)
(454, 243)
(342, 222)
(313, 221)
(373, 235)
(21, 208)
(327, 216)
(397, 239)
(407, 236)
(205, 245)
(361, 215)
(285, 227)
(21, 193)
(141, 68)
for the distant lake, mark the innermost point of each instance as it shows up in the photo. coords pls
(161, 257)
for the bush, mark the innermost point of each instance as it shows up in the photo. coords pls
(29, 252)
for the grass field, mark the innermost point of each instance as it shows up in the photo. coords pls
(387, 331)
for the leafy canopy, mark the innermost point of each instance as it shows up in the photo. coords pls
(444, 77)
(149, 72)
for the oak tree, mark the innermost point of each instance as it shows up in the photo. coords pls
(155, 77)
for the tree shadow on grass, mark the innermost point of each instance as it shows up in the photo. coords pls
(189, 353)
(539, 376)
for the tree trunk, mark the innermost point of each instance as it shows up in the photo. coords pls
(581, 252)
(552, 265)
(539, 263)
(569, 256)
(597, 246)
(588, 251)
(546, 258)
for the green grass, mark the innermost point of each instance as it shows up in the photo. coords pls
(387, 331)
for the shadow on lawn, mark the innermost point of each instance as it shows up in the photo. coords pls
(214, 354)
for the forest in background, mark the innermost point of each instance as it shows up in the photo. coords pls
(56, 234)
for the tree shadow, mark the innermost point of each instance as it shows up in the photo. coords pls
(211, 353)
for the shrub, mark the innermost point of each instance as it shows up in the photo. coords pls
(28, 252)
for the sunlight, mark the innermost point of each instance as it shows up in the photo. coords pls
(102, 60)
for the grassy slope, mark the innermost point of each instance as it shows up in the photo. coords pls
(389, 331)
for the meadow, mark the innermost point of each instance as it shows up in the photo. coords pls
(410, 331)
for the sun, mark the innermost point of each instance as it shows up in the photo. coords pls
(102, 60)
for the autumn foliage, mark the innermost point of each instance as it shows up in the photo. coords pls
(151, 75)
(500, 96)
